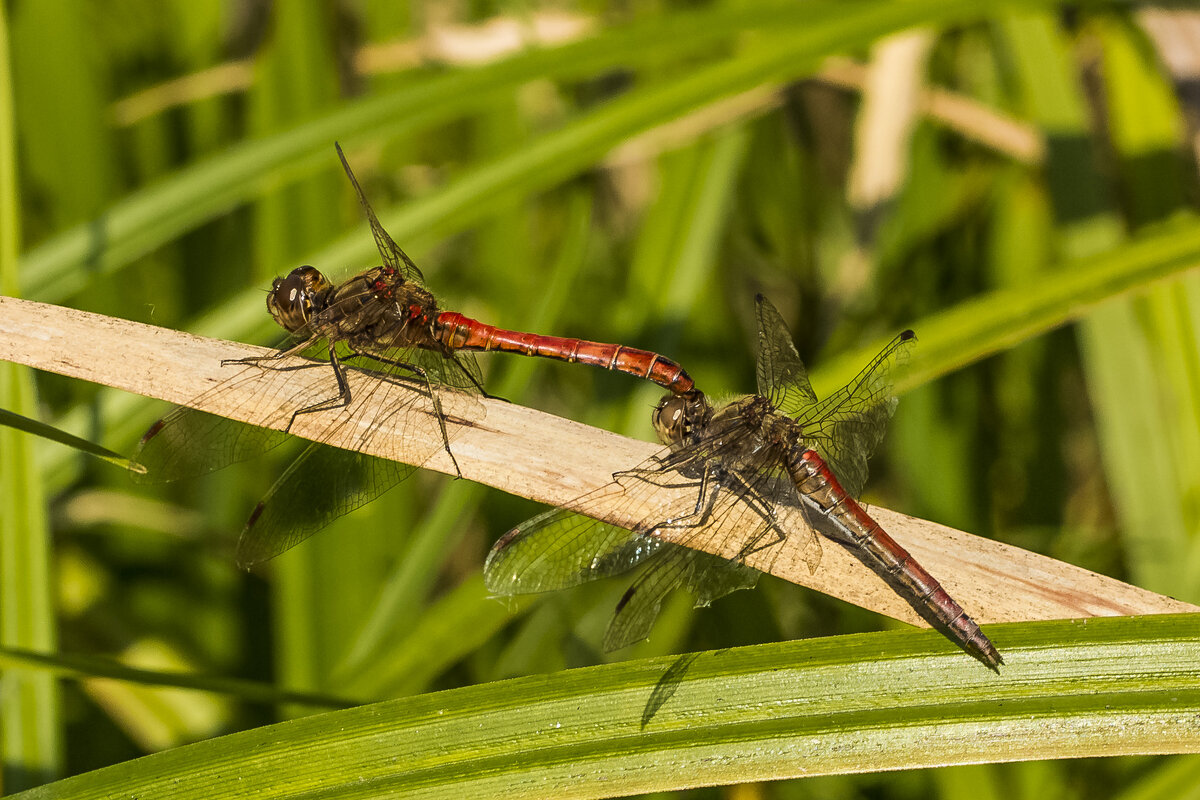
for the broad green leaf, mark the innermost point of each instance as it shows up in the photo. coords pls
(841, 704)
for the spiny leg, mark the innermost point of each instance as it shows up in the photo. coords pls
(427, 387)
(754, 499)
(294, 350)
(390, 362)
(475, 383)
(747, 493)
(706, 500)
(341, 401)
(441, 420)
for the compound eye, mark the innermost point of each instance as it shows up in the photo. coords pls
(683, 419)
(291, 299)
(670, 419)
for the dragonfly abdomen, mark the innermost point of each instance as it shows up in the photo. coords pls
(885, 556)
(459, 332)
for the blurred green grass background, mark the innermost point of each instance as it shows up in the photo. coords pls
(616, 173)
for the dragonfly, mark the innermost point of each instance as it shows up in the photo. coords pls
(772, 465)
(381, 329)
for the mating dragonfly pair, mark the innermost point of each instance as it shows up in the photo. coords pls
(772, 465)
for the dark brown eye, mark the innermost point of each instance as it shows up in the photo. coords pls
(679, 417)
(292, 299)
(669, 419)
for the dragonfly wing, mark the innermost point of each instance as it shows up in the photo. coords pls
(757, 508)
(711, 483)
(782, 378)
(846, 427)
(705, 576)
(390, 251)
(848, 442)
(708, 577)
(760, 509)
(747, 495)
(187, 443)
(459, 370)
(682, 491)
(559, 549)
(324, 483)
(639, 607)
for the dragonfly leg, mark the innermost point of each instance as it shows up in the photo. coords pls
(441, 420)
(294, 350)
(764, 509)
(711, 482)
(706, 500)
(390, 362)
(475, 384)
(427, 388)
(340, 401)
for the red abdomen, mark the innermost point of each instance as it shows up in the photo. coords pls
(463, 333)
(871, 544)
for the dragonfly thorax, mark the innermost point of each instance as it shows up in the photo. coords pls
(751, 432)
(293, 300)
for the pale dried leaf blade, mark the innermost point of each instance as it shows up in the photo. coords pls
(526, 452)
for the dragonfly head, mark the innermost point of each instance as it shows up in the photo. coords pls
(292, 299)
(679, 418)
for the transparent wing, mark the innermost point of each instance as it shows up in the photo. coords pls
(327, 482)
(559, 549)
(639, 607)
(846, 427)
(459, 370)
(187, 443)
(782, 378)
(705, 576)
(390, 251)
(685, 491)
(321, 485)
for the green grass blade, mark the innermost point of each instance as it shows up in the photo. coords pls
(30, 723)
(82, 667)
(1143, 357)
(19, 423)
(1001, 319)
(162, 211)
(841, 704)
